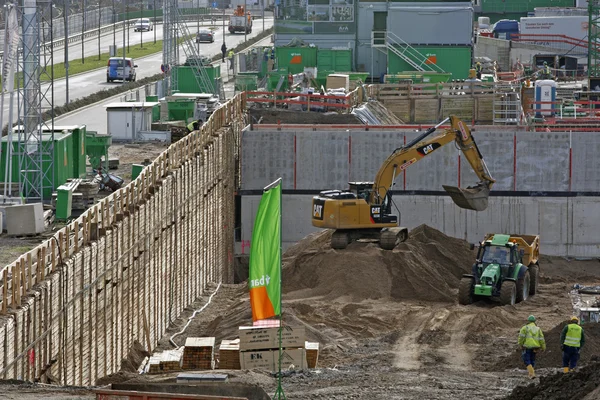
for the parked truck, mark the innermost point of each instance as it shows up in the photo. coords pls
(240, 21)
(507, 266)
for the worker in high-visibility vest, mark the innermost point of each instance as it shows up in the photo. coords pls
(531, 340)
(572, 340)
(478, 69)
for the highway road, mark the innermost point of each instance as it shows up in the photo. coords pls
(94, 116)
(84, 84)
(90, 47)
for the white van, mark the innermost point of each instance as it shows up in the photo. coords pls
(114, 69)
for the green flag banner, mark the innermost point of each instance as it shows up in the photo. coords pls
(264, 279)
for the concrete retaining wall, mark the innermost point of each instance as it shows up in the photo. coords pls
(125, 270)
(518, 160)
(311, 161)
(568, 226)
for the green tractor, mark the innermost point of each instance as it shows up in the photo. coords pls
(506, 267)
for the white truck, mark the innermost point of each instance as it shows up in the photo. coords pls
(240, 23)
(574, 27)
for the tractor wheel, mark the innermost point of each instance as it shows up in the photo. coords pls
(523, 287)
(388, 239)
(465, 291)
(534, 271)
(508, 293)
(339, 240)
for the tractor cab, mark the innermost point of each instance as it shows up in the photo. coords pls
(496, 261)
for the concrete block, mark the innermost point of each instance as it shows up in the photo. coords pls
(25, 219)
(267, 156)
(378, 145)
(542, 161)
(322, 160)
(585, 161)
(497, 149)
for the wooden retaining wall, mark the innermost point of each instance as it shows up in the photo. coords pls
(430, 103)
(125, 269)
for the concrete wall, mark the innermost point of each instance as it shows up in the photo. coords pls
(126, 269)
(522, 161)
(518, 160)
(568, 226)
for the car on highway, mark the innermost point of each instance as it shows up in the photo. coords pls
(143, 24)
(204, 35)
(115, 70)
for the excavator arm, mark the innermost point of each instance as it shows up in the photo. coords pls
(471, 198)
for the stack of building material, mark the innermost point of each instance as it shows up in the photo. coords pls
(338, 81)
(229, 354)
(167, 361)
(312, 353)
(259, 348)
(199, 353)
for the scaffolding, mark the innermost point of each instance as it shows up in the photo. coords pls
(176, 31)
(35, 128)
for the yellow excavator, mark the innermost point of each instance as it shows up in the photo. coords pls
(365, 209)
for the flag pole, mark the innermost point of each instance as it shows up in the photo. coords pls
(279, 394)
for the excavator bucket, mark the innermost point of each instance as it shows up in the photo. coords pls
(471, 198)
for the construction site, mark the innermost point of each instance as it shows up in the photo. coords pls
(439, 192)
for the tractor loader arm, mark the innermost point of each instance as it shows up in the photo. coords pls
(471, 198)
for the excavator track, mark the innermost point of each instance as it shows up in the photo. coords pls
(390, 237)
(340, 240)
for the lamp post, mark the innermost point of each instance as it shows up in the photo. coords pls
(198, 24)
(83, 32)
(66, 19)
(99, 24)
(154, 8)
(114, 12)
(141, 16)
(245, 20)
(127, 18)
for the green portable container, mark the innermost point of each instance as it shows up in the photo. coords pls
(334, 60)
(136, 170)
(246, 81)
(57, 160)
(296, 58)
(64, 200)
(456, 60)
(79, 157)
(187, 83)
(181, 109)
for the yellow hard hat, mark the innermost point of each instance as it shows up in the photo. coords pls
(574, 319)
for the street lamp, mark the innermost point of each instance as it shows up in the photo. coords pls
(114, 12)
(141, 32)
(83, 31)
(154, 8)
(66, 20)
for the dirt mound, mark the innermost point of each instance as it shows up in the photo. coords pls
(426, 267)
(552, 357)
(572, 386)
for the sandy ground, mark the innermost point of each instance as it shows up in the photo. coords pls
(389, 326)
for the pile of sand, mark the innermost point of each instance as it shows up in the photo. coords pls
(580, 385)
(428, 267)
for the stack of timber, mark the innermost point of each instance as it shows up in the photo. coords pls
(167, 361)
(259, 348)
(84, 195)
(229, 354)
(199, 353)
(312, 353)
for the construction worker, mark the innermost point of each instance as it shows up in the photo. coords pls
(230, 56)
(223, 52)
(546, 72)
(478, 69)
(531, 340)
(194, 125)
(572, 340)
(290, 79)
